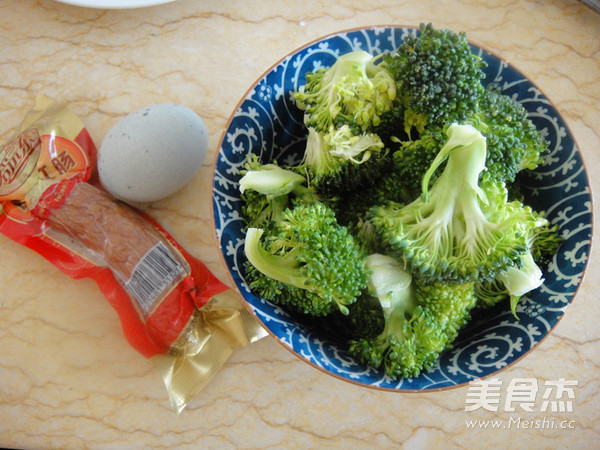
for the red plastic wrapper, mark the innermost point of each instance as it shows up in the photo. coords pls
(173, 310)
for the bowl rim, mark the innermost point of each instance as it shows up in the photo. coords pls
(289, 348)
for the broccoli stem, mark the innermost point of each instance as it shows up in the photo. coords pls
(452, 206)
(272, 180)
(470, 151)
(283, 268)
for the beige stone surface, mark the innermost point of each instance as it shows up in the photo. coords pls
(67, 377)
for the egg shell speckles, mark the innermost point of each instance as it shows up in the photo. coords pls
(152, 152)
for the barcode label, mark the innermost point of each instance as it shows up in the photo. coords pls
(152, 274)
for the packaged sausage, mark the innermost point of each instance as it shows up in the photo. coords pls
(173, 310)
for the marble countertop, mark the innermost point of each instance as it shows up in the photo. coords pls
(68, 379)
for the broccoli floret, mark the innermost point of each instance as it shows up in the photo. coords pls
(450, 304)
(365, 317)
(438, 77)
(490, 292)
(343, 104)
(544, 243)
(354, 91)
(267, 190)
(526, 275)
(513, 142)
(351, 207)
(511, 284)
(455, 231)
(421, 320)
(391, 126)
(306, 262)
(414, 158)
(368, 239)
(340, 161)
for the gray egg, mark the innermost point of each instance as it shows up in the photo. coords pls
(152, 152)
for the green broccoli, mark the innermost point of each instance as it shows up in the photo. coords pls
(438, 78)
(364, 319)
(411, 160)
(343, 104)
(521, 279)
(508, 153)
(511, 284)
(391, 126)
(545, 241)
(267, 190)
(513, 142)
(306, 262)
(421, 320)
(456, 231)
(354, 91)
(526, 275)
(351, 207)
(414, 158)
(340, 161)
(510, 149)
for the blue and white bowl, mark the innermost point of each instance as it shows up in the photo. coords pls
(266, 122)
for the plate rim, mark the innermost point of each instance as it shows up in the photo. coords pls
(114, 4)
